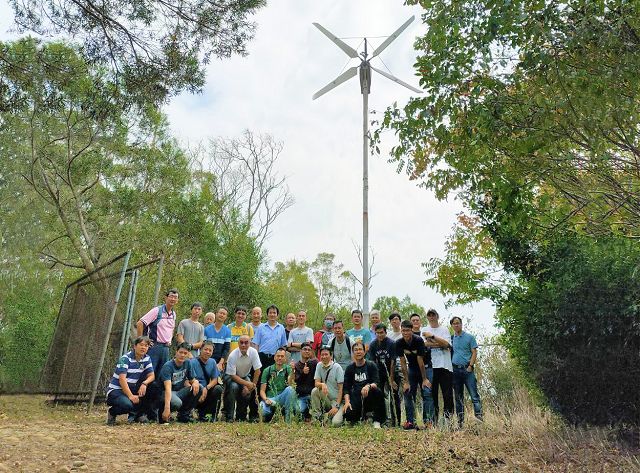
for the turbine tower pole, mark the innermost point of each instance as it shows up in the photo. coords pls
(365, 84)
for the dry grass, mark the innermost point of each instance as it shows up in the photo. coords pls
(36, 437)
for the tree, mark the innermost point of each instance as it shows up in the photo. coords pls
(405, 306)
(327, 276)
(290, 288)
(154, 49)
(254, 194)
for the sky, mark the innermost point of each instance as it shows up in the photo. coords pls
(270, 90)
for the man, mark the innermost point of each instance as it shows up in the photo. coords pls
(289, 323)
(205, 370)
(340, 346)
(410, 348)
(417, 329)
(437, 338)
(304, 372)
(374, 319)
(191, 330)
(465, 354)
(158, 324)
(239, 327)
(220, 335)
(326, 396)
(394, 320)
(240, 383)
(382, 353)
(323, 336)
(269, 337)
(181, 388)
(209, 318)
(361, 392)
(275, 387)
(358, 333)
(298, 335)
(126, 393)
(256, 318)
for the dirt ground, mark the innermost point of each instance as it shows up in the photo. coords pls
(37, 437)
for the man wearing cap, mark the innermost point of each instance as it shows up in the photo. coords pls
(304, 372)
(465, 353)
(205, 370)
(191, 330)
(326, 396)
(240, 384)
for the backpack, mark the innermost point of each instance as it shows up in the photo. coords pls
(151, 330)
(332, 344)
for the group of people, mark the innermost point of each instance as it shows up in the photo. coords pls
(242, 371)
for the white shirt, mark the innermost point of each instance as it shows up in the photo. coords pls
(440, 357)
(241, 365)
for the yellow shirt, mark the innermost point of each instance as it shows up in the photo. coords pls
(237, 332)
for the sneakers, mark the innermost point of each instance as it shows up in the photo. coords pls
(408, 426)
(143, 419)
(376, 425)
(111, 419)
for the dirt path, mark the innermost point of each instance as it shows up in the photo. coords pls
(36, 437)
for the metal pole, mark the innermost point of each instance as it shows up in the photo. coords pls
(132, 335)
(156, 294)
(365, 193)
(109, 327)
(125, 325)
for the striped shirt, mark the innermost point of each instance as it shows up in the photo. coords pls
(221, 340)
(137, 371)
(237, 332)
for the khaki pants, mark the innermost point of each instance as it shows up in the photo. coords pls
(321, 404)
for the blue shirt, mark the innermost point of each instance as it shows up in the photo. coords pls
(205, 375)
(269, 339)
(221, 340)
(363, 335)
(462, 346)
(176, 374)
(137, 371)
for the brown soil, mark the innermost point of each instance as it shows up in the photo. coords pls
(37, 437)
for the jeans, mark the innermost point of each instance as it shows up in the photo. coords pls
(159, 355)
(120, 404)
(182, 401)
(442, 378)
(428, 411)
(284, 400)
(235, 402)
(462, 378)
(304, 403)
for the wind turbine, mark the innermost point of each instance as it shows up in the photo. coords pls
(365, 88)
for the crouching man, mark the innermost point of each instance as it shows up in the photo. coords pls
(361, 392)
(205, 370)
(239, 383)
(181, 388)
(126, 393)
(275, 387)
(326, 397)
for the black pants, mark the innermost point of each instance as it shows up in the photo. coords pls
(443, 378)
(211, 403)
(374, 402)
(396, 395)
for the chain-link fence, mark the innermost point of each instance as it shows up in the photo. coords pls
(94, 327)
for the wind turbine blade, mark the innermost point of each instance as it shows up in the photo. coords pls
(345, 76)
(395, 79)
(391, 38)
(352, 53)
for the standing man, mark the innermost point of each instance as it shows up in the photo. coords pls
(191, 330)
(340, 346)
(361, 392)
(298, 336)
(220, 335)
(240, 384)
(304, 372)
(382, 353)
(323, 336)
(395, 333)
(181, 388)
(437, 338)
(465, 355)
(326, 396)
(256, 318)
(289, 323)
(126, 393)
(158, 325)
(269, 337)
(205, 370)
(374, 319)
(358, 333)
(410, 349)
(239, 327)
(275, 387)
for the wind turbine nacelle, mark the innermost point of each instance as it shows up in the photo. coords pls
(365, 78)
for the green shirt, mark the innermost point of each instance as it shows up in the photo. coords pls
(275, 380)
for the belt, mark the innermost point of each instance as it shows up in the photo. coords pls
(464, 367)
(268, 355)
(168, 345)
